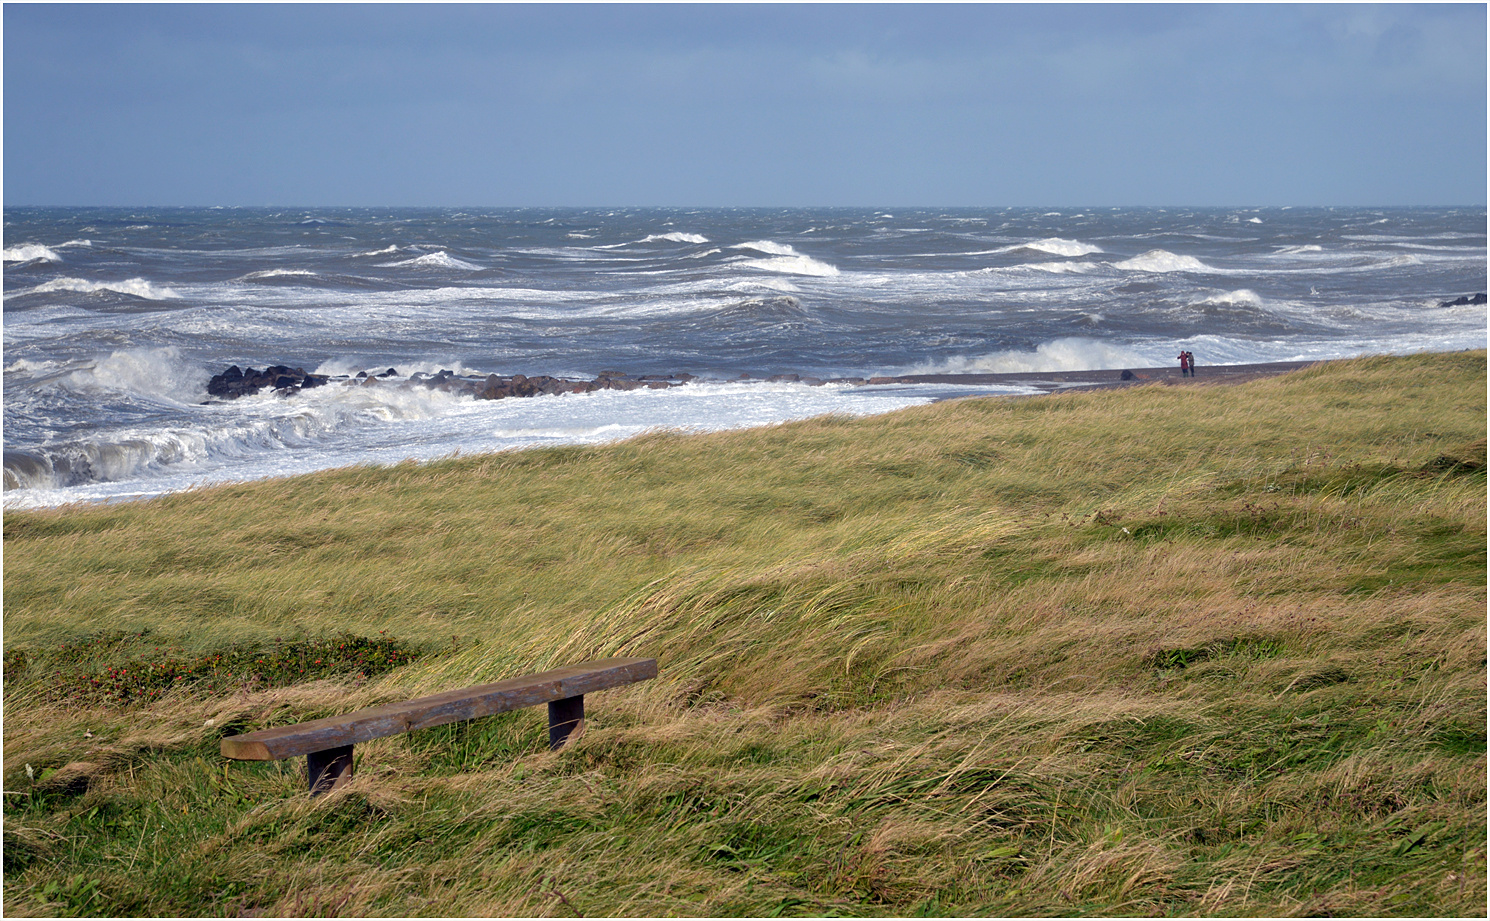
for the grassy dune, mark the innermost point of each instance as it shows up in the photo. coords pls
(1164, 650)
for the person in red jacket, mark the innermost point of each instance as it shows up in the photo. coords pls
(1184, 364)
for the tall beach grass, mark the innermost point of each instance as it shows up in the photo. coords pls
(1170, 649)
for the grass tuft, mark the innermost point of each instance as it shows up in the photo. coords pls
(1179, 650)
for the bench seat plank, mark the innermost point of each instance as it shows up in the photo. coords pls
(436, 709)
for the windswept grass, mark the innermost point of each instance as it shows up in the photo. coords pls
(1182, 650)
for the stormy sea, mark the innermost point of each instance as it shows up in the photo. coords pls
(402, 326)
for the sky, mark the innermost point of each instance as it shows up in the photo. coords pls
(744, 105)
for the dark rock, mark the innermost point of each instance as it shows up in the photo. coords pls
(1127, 376)
(234, 383)
(1466, 301)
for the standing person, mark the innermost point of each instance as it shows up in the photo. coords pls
(1184, 364)
(1190, 360)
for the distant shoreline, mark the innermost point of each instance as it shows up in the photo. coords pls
(1060, 381)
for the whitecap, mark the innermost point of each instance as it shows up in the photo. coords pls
(786, 260)
(1242, 297)
(675, 238)
(1159, 260)
(1059, 247)
(134, 287)
(770, 247)
(1066, 354)
(791, 265)
(160, 373)
(385, 251)
(279, 273)
(439, 260)
(30, 252)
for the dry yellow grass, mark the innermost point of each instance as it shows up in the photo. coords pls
(1193, 650)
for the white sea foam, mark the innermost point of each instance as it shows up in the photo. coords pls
(30, 252)
(785, 260)
(31, 368)
(1057, 268)
(776, 285)
(1068, 354)
(268, 436)
(1059, 247)
(437, 260)
(134, 287)
(792, 265)
(1159, 260)
(385, 251)
(158, 373)
(769, 247)
(1242, 297)
(278, 273)
(675, 238)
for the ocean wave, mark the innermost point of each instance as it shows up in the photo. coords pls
(278, 273)
(30, 252)
(250, 427)
(776, 285)
(385, 251)
(1056, 268)
(1067, 354)
(764, 311)
(133, 287)
(1159, 260)
(769, 247)
(675, 238)
(29, 368)
(784, 260)
(1299, 250)
(1406, 259)
(1242, 297)
(1059, 247)
(437, 260)
(156, 373)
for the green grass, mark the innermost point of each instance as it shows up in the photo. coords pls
(1183, 650)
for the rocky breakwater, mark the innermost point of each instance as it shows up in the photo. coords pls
(235, 382)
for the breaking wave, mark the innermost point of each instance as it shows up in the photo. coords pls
(674, 238)
(440, 260)
(1159, 260)
(1058, 247)
(134, 287)
(30, 252)
(783, 259)
(1067, 354)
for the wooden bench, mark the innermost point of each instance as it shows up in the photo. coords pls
(327, 743)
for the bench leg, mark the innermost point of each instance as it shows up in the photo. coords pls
(329, 769)
(565, 718)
